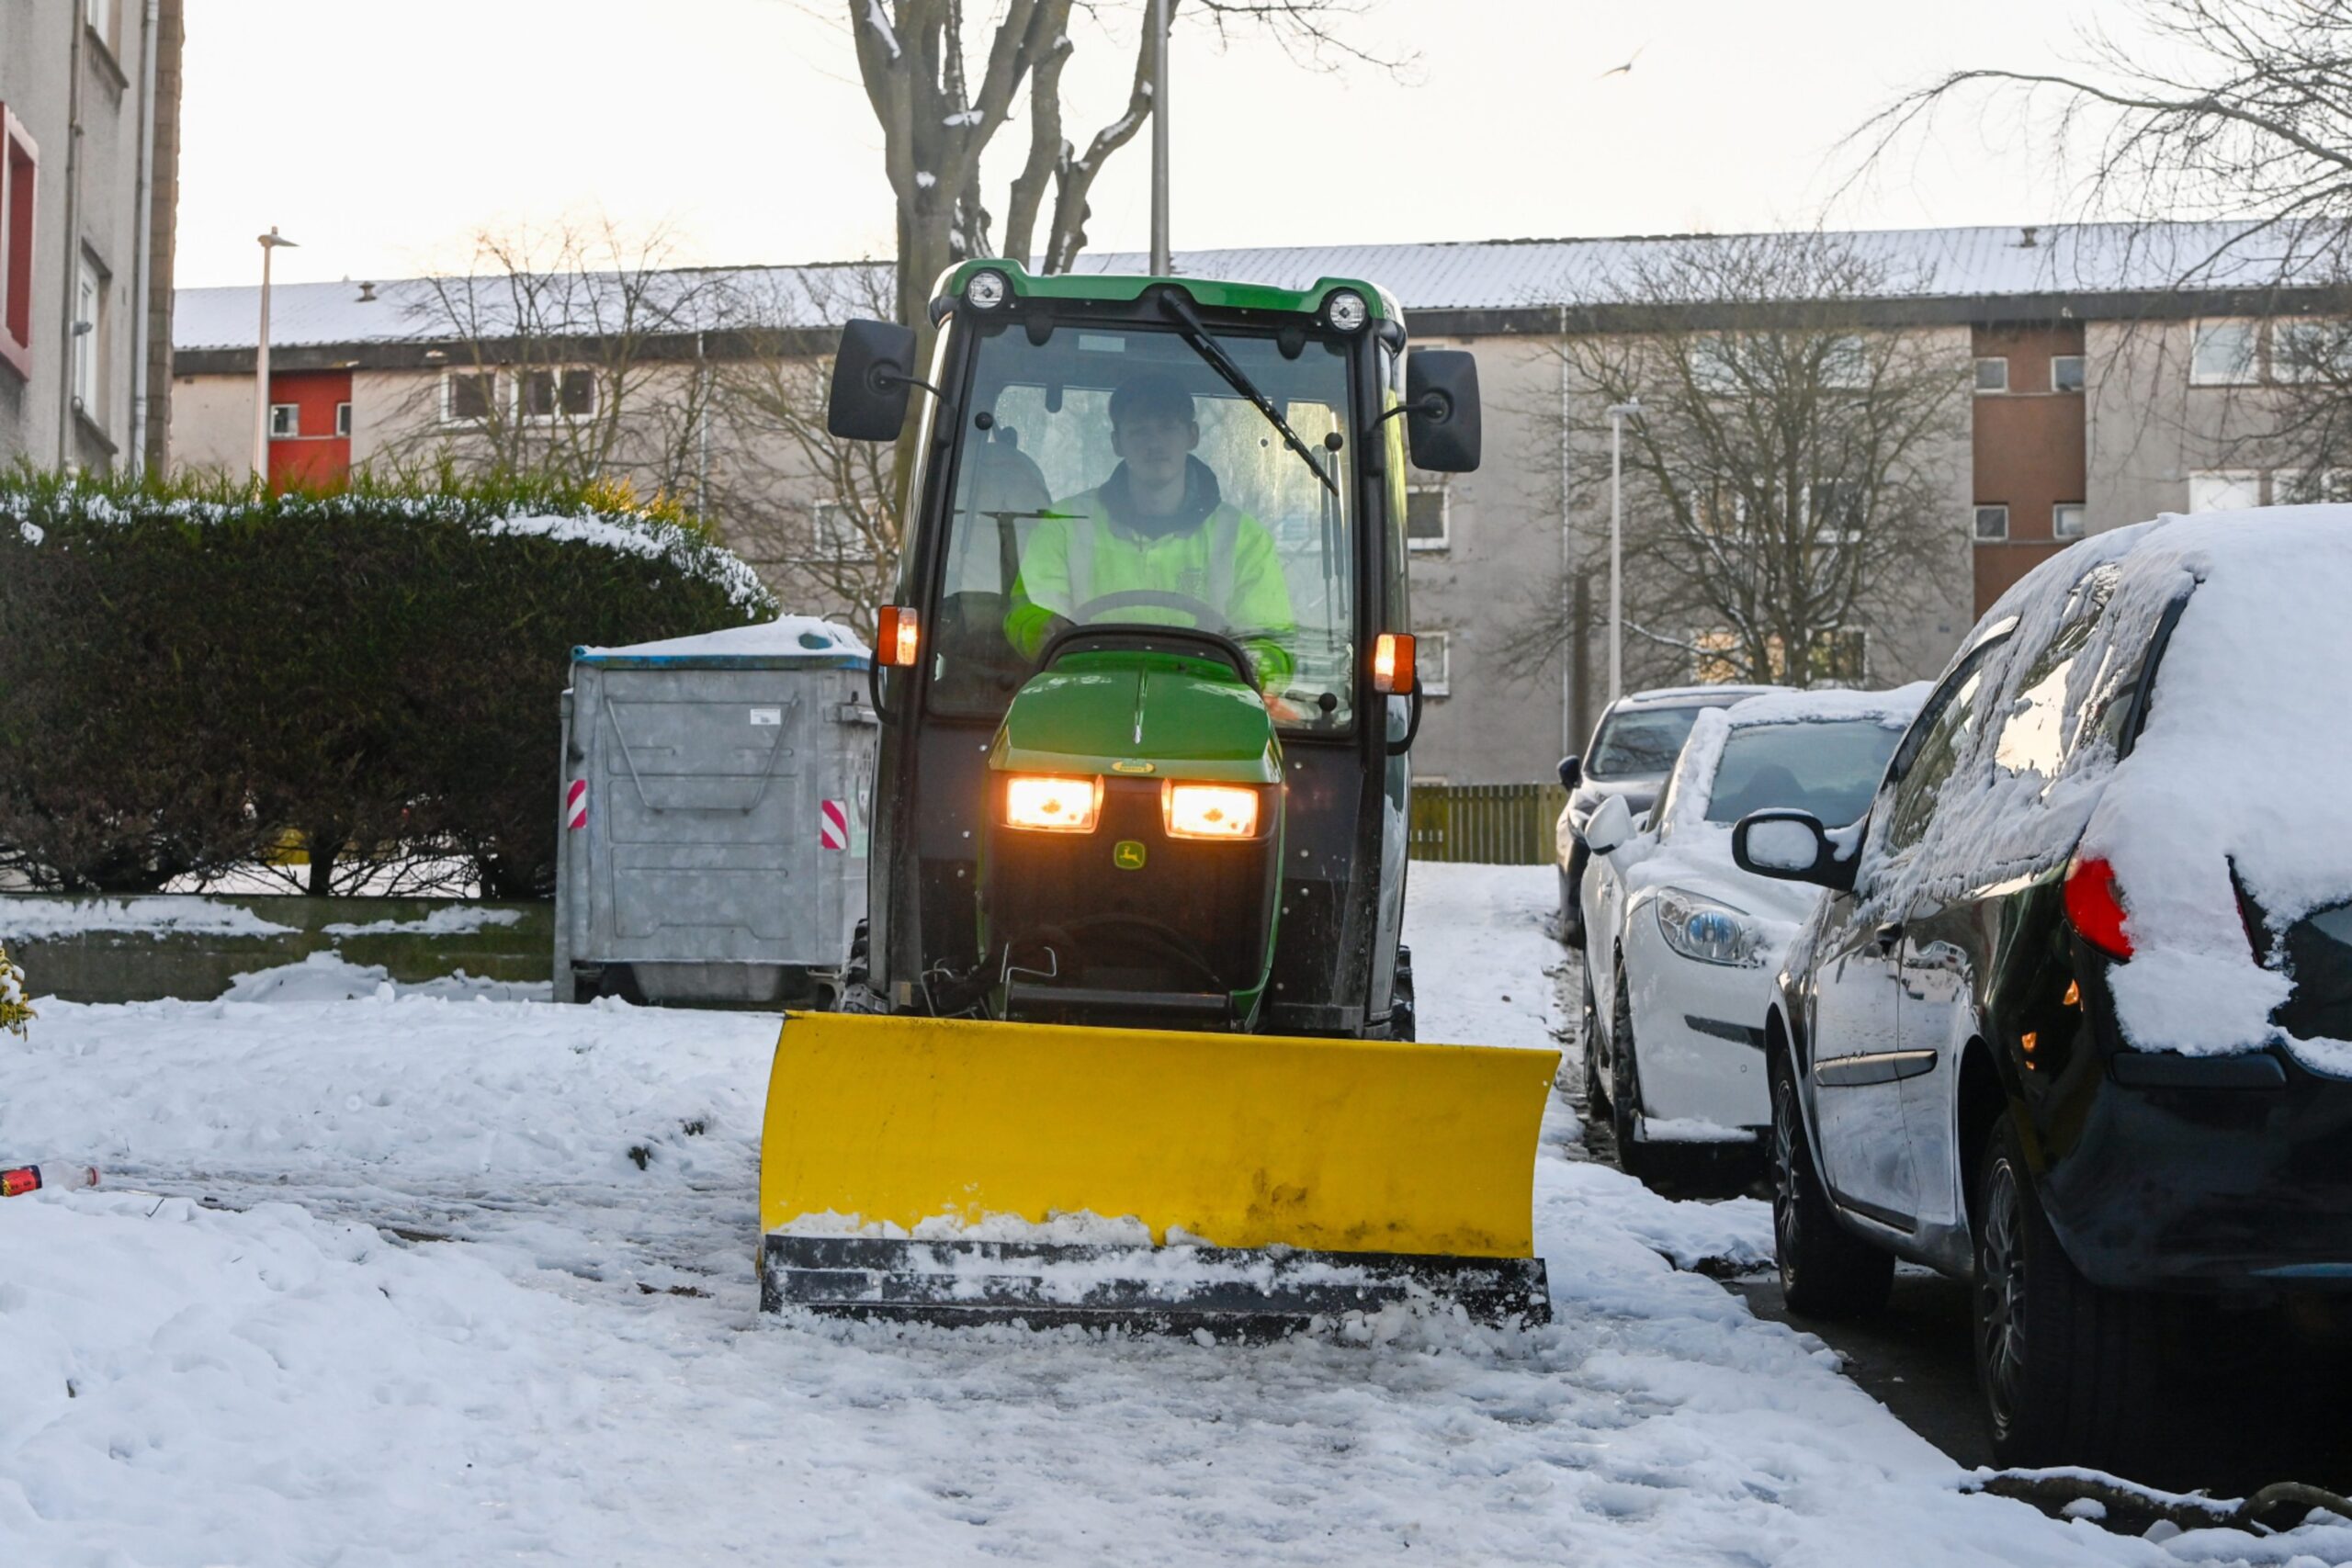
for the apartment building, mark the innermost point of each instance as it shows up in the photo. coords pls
(89, 133)
(2091, 390)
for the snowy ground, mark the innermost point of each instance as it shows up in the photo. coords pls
(440, 1314)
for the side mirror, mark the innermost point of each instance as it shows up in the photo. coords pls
(1441, 422)
(1571, 773)
(1789, 846)
(873, 370)
(1611, 825)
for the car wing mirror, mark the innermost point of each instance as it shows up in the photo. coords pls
(1611, 825)
(1789, 846)
(1441, 414)
(1571, 773)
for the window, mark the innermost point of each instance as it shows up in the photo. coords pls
(833, 532)
(1836, 509)
(1993, 375)
(2066, 372)
(469, 397)
(285, 420)
(1935, 745)
(2310, 487)
(1840, 657)
(2224, 490)
(1837, 658)
(89, 341)
(1829, 767)
(17, 166)
(1845, 365)
(558, 394)
(2037, 727)
(2311, 351)
(100, 15)
(2066, 520)
(1432, 652)
(343, 421)
(1992, 524)
(1427, 518)
(2223, 355)
(1714, 365)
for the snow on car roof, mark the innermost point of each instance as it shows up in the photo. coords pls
(1828, 704)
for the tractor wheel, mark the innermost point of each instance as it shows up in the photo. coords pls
(1826, 1269)
(1400, 997)
(1639, 1160)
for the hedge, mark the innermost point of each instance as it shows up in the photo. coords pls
(188, 673)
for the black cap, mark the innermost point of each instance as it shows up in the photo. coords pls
(1154, 391)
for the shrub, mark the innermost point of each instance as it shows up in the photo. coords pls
(15, 1013)
(193, 671)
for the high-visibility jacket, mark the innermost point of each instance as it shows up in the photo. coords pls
(1083, 567)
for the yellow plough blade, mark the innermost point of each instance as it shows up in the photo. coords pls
(1239, 1141)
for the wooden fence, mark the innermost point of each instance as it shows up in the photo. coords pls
(1498, 824)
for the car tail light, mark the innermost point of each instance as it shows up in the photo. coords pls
(2095, 906)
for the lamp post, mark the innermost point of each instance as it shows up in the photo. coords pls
(1618, 414)
(1160, 265)
(269, 243)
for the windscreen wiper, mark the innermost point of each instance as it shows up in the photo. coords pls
(1188, 326)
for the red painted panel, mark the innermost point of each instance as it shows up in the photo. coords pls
(316, 458)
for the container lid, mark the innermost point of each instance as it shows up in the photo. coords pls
(787, 642)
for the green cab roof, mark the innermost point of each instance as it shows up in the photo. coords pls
(1210, 293)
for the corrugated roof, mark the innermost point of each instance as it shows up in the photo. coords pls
(1490, 275)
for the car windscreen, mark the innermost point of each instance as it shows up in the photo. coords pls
(1641, 740)
(1829, 767)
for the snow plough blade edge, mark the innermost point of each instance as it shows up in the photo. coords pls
(1231, 1292)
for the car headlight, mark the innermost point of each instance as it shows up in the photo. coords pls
(1209, 811)
(1047, 805)
(1709, 932)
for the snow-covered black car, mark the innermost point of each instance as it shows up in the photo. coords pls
(2074, 1020)
(1632, 748)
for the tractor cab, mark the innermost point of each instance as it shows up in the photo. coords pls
(1146, 679)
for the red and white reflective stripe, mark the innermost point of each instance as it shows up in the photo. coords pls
(576, 805)
(832, 824)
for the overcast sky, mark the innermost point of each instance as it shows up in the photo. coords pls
(379, 137)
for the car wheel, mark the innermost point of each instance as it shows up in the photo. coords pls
(2066, 1368)
(1595, 1093)
(1637, 1159)
(1826, 1269)
(1401, 1022)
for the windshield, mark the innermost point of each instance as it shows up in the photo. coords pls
(1642, 741)
(1829, 767)
(1110, 474)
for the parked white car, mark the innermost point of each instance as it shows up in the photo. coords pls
(1681, 945)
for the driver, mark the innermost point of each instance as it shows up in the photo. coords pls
(1155, 544)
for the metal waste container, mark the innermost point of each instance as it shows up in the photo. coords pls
(713, 817)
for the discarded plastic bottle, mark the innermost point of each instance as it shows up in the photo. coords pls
(48, 1173)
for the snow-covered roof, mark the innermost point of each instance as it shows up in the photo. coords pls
(796, 639)
(1485, 275)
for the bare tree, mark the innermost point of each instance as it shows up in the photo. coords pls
(942, 89)
(1784, 482)
(819, 515)
(576, 356)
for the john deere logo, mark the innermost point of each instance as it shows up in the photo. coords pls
(1127, 854)
(1127, 767)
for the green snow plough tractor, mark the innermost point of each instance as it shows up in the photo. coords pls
(1131, 1036)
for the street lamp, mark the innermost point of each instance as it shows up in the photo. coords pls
(1618, 414)
(269, 243)
(1161, 262)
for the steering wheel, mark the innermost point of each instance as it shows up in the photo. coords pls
(1204, 614)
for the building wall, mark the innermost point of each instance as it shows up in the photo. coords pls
(2030, 451)
(88, 208)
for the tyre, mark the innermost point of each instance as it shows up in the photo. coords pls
(2066, 1370)
(1400, 997)
(1639, 1160)
(1595, 1093)
(1826, 1269)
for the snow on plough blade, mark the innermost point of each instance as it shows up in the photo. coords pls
(959, 1170)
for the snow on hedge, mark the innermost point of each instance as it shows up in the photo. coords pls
(46, 920)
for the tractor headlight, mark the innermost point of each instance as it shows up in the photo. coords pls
(1345, 308)
(1209, 811)
(1048, 804)
(987, 289)
(1709, 932)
